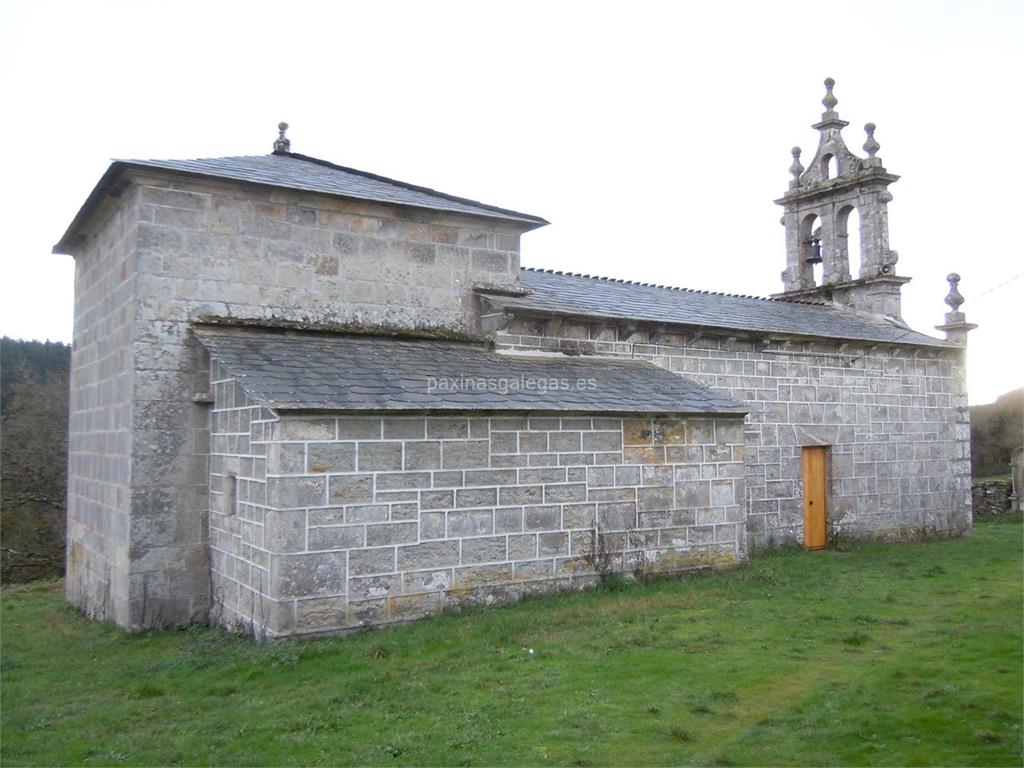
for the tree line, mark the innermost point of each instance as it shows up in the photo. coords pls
(33, 457)
(997, 430)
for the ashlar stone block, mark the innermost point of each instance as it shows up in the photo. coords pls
(465, 454)
(359, 428)
(380, 456)
(637, 431)
(331, 457)
(508, 519)
(364, 562)
(427, 581)
(374, 587)
(431, 554)
(522, 546)
(391, 533)
(554, 543)
(337, 537)
(287, 458)
(425, 455)
(284, 530)
(487, 549)
(290, 492)
(292, 428)
(350, 489)
(693, 494)
(470, 523)
(542, 518)
(307, 575)
(320, 614)
(669, 431)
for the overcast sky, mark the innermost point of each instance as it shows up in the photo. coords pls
(654, 136)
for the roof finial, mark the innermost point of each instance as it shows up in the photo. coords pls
(871, 146)
(954, 299)
(830, 100)
(282, 144)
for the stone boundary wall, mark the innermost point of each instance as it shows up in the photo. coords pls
(370, 520)
(896, 419)
(1017, 479)
(994, 498)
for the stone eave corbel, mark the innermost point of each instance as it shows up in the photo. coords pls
(496, 289)
(625, 331)
(552, 326)
(493, 322)
(657, 334)
(494, 315)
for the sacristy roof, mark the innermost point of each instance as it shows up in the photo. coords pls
(323, 372)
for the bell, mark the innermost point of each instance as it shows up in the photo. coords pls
(815, 243)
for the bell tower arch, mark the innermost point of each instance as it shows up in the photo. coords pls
(818, 211)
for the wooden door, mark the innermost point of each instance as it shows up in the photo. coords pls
(814, 497)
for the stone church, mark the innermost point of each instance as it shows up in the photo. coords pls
(308, 399)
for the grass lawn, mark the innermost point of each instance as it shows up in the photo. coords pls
(905, 654)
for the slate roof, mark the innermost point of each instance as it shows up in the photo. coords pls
(584, 296)
(290, 170)
(342, 372)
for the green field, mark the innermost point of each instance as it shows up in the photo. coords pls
(903, 654)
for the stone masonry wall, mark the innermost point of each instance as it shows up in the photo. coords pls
(239, 563)
(197, 249)
(99, 426)
(896, 420)
(371, 520)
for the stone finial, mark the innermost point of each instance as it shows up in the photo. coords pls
(953, 298)
(282, 143)
(871, 146)
(956, 325)
(796, 168)
(830, 100)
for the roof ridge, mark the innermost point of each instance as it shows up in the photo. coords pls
(602, 278)
(406, 185)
